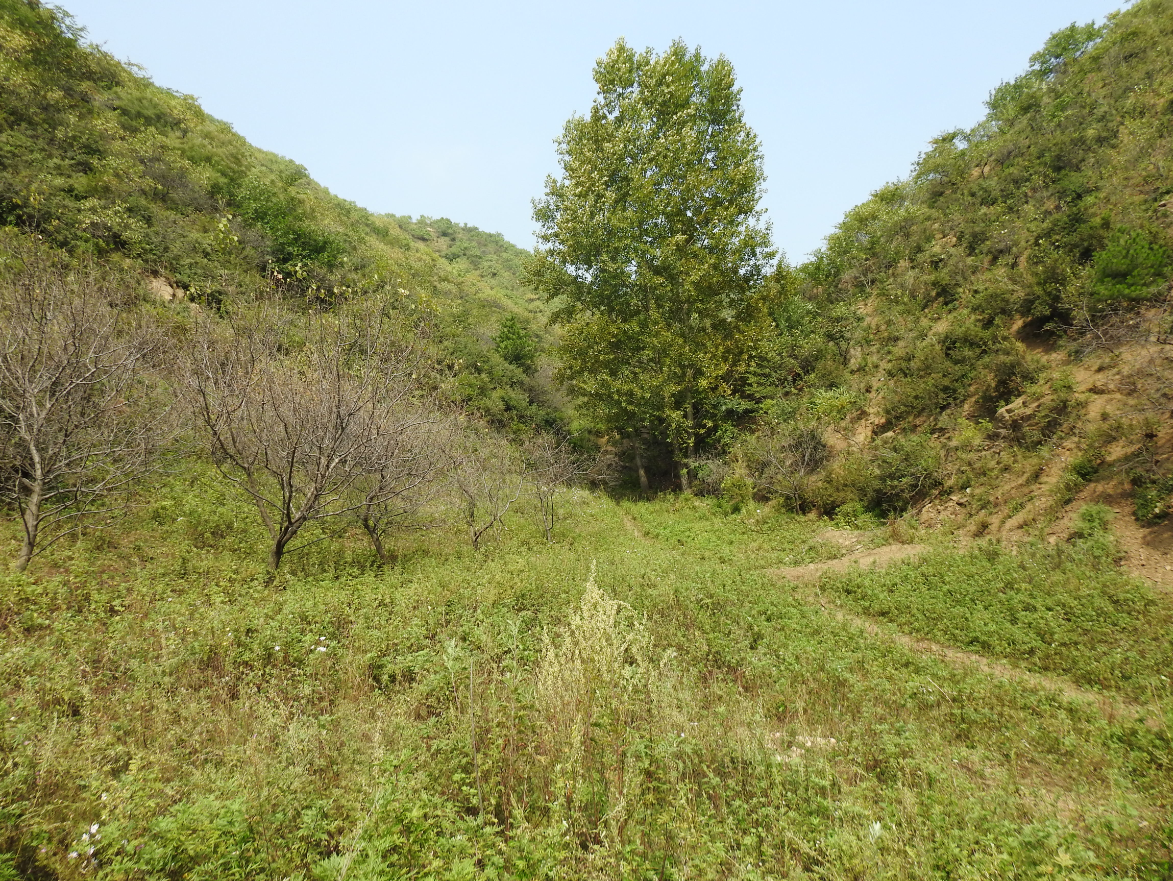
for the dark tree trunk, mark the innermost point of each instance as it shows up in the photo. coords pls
(639, 466)
(372, 530)
(31, 517)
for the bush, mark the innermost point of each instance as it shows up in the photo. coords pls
(516, 345)
(709, 474)
(737, 489)
(783, 460)
(1151, 498)
(1130, 267)
(907, 468)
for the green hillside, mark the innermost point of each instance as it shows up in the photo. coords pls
(1018, 259)
(102, 163)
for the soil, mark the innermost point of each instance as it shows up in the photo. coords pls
(865, 559)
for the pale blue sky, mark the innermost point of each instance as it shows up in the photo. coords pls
(450, 109)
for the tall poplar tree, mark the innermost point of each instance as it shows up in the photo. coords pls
(653, 248)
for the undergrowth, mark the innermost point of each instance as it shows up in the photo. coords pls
(638, 700)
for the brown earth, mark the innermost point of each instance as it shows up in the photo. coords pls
(865, 559)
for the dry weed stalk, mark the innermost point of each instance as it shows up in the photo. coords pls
(599, 690)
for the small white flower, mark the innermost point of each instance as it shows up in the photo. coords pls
(85, 836)
(103, 796)
(321, 639)
(276, 648)
(874, 830)
(94, 829)
(321, 648)
(73, 854)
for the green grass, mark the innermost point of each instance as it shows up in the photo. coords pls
(738, 732)
(1056, 609)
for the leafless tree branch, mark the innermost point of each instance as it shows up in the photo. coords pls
(80, 419)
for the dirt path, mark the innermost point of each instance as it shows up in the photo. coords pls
(632, 526)
(866, 559)
(803, 580)
(1112, 707)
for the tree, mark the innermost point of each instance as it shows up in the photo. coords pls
(785, 458)
(78, 419)
(653, 248)
(486, 476)
(552, 464)
(515, 344)
(403, 474)
(298, 412)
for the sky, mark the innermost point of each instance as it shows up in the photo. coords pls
(450, 109)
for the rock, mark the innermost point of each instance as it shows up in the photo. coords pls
(162, 290)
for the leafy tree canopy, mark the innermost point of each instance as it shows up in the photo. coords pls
(653, 248)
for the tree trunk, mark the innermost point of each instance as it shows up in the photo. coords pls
(372, 530)
(639, 466)
(31, 517)
(275, 554)
(691, 454)
(282, 542)
(547, 505)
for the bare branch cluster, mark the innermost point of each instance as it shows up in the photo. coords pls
(80, 419)
(553, 463)
(486, 477)
(312, 417)
(785, 458)
(1145, 338)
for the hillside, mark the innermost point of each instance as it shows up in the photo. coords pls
(102, 163)
(985, 341)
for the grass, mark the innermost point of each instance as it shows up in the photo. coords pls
(504, 714)
(1055, 609)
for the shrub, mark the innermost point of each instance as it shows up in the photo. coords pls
(737, 489)
(516, 345)
(709, 474)
(907, 468)
(1151, 498)
(1131, 266)
(783, 459)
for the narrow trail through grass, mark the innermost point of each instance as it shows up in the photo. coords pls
(1112, 706)
(862, 559)
(805, 579)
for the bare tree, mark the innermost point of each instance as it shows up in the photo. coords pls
(78, 419)
(403, 475)
(297, 410)
(487, 476)
(784, 459)
(553, 464)
(1145, 334)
